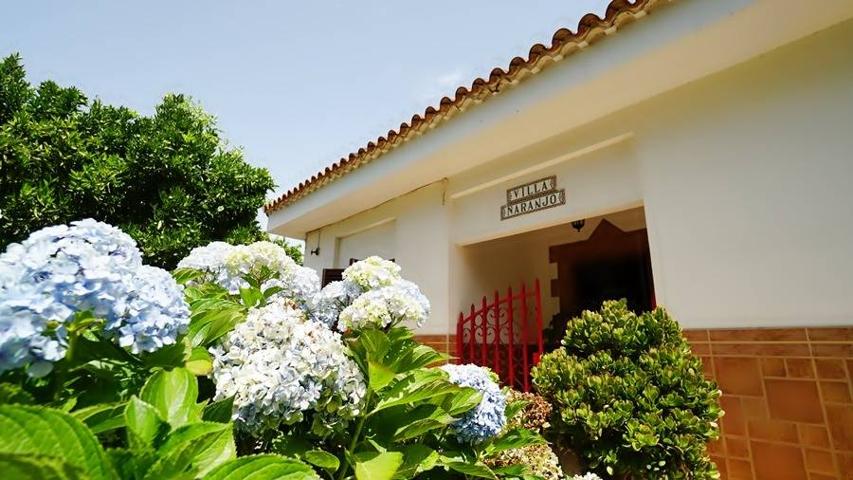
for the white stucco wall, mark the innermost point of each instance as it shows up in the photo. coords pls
(744, 177)
(746, 181)
(374, 240)
(413, 229)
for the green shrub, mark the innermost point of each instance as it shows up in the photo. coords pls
(169, 179)
(629, 396)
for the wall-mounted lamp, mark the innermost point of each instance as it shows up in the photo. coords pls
(316, 251)
(578, 224)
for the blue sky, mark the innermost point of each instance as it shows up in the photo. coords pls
(295, 84)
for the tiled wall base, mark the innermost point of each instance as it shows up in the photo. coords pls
(787, 396)
(442, 343)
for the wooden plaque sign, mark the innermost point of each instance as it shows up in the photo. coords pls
(532, 197)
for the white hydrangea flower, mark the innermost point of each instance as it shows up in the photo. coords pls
(400, 301)
(300, 284)
(210, 259)
(586, 476)
(278, 365)
(243, 259)
(227, 265)
(372, 272)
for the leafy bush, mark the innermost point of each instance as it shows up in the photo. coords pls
(630, 397)
(238, 364)
(168, 180)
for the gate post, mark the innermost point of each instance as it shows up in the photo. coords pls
(473, 337)
(459, 332)
(524, 361)
(497, 331)
(539, 342)
(511, 320)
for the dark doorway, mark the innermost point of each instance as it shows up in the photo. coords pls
(610, 265)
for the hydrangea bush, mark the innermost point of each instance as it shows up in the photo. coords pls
(235, 362)
(337, 379)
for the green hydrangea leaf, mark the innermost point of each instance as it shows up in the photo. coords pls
(37, 467)
(144, 424)
(377, 466)
(262, 467)
(173, 393)
(322, 459)
(102, 417)
(29, 430)
(219, 411)
(194, 449)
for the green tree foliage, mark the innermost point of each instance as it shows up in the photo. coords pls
(292, 251)
(630, 397)
(168, 180)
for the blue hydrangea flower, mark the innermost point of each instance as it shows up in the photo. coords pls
(489, 417)
(152, 314)
(327, 304)
(85, 266)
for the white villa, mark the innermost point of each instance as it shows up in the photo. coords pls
(694, 154)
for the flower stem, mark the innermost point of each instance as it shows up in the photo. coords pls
(354, 440)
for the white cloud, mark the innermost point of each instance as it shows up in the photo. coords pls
(443, 85)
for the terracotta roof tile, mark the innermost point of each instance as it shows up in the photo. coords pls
(563, 43)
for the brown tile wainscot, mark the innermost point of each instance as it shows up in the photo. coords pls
(788, 401)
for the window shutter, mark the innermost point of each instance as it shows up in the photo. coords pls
(332, 275)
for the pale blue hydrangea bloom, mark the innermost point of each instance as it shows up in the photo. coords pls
(152, 314)
(400, 301)
(65, 269)
(328, 303)
(489, 417)
(278, 365)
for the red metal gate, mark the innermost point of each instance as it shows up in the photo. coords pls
(504, 334)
